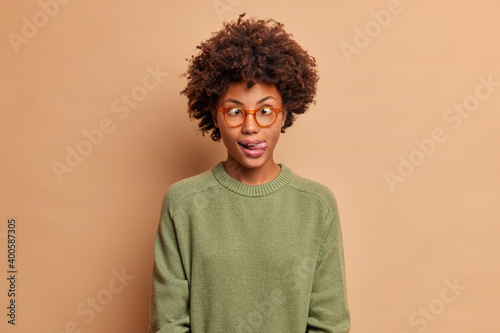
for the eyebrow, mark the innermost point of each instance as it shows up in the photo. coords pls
(239, 103)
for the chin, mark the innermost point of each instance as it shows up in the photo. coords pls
(252, 162)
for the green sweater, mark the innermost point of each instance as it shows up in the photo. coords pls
(231, 257)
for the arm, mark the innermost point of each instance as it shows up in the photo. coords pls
(328, 311)
(170, 289)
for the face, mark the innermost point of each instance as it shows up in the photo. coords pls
(236, 139)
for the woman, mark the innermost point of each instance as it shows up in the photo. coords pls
(249, 246)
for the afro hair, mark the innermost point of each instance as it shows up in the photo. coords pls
(253, 51)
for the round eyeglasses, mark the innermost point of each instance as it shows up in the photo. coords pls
(264, 116)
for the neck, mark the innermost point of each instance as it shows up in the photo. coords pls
(251, 176)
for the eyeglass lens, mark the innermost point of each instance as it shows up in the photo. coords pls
(264, 116)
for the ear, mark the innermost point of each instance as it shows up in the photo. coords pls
(283, 116)
(214, 117)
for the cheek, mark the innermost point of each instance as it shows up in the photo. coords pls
(228, 136)
(275, 135)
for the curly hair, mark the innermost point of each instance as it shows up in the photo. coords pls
(255, 52)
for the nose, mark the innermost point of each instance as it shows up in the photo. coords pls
(250, 125)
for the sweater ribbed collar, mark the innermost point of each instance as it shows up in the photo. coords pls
(232, 184)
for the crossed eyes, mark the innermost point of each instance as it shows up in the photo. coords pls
(264, 111)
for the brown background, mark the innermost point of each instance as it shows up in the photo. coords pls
(403, 244)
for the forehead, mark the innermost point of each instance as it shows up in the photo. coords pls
(239, 91)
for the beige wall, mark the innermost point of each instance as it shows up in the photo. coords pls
(408, 240)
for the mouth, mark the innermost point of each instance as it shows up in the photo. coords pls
(253, 148)
(253, 144)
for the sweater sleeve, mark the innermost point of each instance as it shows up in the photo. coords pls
(328, 311)
(170, 288)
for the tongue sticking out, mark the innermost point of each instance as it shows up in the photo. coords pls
(259, 146)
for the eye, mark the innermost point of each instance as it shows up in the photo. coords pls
(265, 111)
(234, 112)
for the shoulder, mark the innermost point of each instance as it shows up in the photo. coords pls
(186, 187)
(309, 187)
